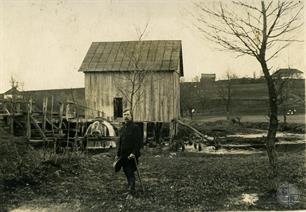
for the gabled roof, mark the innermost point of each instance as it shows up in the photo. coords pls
(286, 72)
(13, 90)
(157, 55)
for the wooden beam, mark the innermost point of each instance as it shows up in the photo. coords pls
(145, 132)
(44, 110)
(38, 127)
(51, 116)
(67, 111)
(172, 130)
(198, 133)
(11, 121)
(51, 123)
(61, 110)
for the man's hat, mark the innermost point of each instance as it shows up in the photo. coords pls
(117, 165)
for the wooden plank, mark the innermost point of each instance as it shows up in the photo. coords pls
(67, 112)
(61, 110)
(201, 135)
(44, 110)
(38, 127)
(51, 116)
(161, 89)
(28, 121)
(145, 131)
(51, 123)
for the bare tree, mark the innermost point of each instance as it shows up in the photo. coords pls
(130, 85)
(15, 85)
(261, 31)
(196, 79)
(225, 92)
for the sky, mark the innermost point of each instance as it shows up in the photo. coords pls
(43, 42)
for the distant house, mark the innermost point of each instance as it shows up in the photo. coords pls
(208, 77)
(107, 66)
(288, 73)
(12, 93)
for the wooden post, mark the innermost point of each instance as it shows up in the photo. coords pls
(61, 110)
(145, 132)
(173, 128)
(52, 125)
(11, 121)
(68, 123)
(28, 123)
(67, 111)
(45, 107)
(76, 136)
(51, 115)
(68, 130)
(12, 116)
(38, 128)
(18, 107)
(157, 131)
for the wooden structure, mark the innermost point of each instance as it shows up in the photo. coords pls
(108, 66)
(59, 129)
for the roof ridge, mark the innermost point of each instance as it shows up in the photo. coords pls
(167, 56)
(134, 41)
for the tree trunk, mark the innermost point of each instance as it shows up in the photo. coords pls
(273, 124)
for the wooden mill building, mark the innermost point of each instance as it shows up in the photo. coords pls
(111, 67)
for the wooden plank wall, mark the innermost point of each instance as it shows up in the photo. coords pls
(159, 102)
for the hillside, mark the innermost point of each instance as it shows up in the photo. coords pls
(247, 97)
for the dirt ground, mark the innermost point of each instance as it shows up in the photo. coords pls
(173, 182)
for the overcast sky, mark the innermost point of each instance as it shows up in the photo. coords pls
(43, 43)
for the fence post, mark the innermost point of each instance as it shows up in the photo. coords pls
(45, 107)
(29, 112)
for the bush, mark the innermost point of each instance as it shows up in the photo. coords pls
(17, 160)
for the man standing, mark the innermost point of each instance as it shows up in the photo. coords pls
(130, 143)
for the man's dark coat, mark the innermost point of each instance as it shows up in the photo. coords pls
(130, 140)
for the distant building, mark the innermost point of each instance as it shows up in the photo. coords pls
(288, 73)
(6, 99)
(208, 77)
(12, 93)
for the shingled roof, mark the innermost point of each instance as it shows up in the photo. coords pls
(157, 55)
(287, 72)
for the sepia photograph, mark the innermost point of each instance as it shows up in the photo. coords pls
(152, 105)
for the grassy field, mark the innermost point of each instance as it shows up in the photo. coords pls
(173, 182)
(33, 180)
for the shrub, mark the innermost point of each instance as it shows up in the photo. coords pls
(17, 160)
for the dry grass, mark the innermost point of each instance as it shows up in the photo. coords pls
(181, 182)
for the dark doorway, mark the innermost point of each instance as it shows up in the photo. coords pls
(118, 107)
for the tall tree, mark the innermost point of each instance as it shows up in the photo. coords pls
(261, 31)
